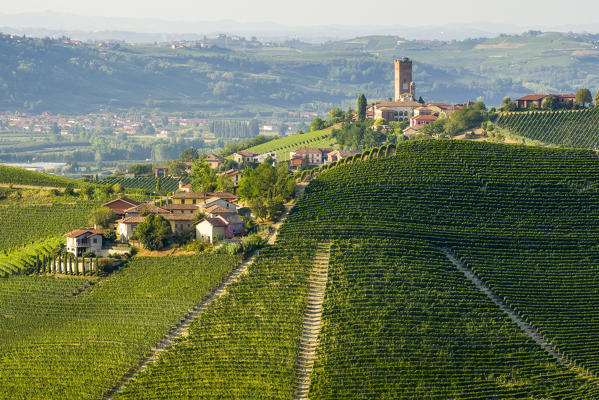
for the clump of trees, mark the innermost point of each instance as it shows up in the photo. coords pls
(102, 217)
(154, 232)
(460, 120)
(266, 189)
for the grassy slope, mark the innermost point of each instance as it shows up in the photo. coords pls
(285, 144)
(20, 176)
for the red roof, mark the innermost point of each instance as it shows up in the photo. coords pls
(424, 118)
(147, 207)
(121, 204)
(79, 232)
(532, 97)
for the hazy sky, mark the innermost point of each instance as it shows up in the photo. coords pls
(328, 12)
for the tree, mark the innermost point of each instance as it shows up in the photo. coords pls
(361, 107)
(265, 189)
(318, 124)
(549, 103)
(118, 188)
(597, 99)
(508, 104)
(420, 100)
(203, 178)
(102, 217)
(154, 232)
(336, 116)
(224, 183)
(88, 192)
(189, 154)
(158, 187)
(583, 96)
(140, 169)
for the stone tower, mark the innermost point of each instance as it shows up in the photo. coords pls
(404, 85)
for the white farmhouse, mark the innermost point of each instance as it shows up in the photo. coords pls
(83, 240)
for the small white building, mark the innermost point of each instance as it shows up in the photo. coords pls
(126, 227)
(83, 240)
(210, 229)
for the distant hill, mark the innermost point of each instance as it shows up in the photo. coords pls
(243, 78)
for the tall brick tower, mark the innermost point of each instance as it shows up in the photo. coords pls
(404, 85)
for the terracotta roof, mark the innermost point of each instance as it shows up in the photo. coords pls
(131, 220)
(397, 104)
(124, 199)
(149, 207)
(79, 232)
(245, 153)
(193, 195)
(215, 221)
(216, 209)
(232, 219)
(532, 97)
(180, 207)
(425, 118)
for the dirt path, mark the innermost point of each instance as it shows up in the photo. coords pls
(528, 329)
(312, 321)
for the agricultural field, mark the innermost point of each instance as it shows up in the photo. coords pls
(146, 183)
(22, 224)
(74, 337)
(578, 129)
(285, 144)
(20, 176)
(245, 346)
(399, 319)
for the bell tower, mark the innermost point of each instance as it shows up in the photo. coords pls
(404, 85)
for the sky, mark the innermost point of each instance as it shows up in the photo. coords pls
(527, 13)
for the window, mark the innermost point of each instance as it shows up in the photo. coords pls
(193, 201)
(95, 240)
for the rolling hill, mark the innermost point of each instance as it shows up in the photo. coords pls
(237, 79)
(450, 270)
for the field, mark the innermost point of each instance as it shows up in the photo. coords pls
(285, 144)
(22, 224)
(73, 338)
(146, 183)
(579, 129)
(20, 176)
(399, 320)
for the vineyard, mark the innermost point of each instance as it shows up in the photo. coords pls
(74, 337)
(23, 224)
(21, 259)
(20, 176)
(146, 183)
(286, 144)
(399, 320)
(578, 129)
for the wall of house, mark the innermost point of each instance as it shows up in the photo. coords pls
(205, 231)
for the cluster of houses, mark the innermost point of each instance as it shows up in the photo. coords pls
(221, 219)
